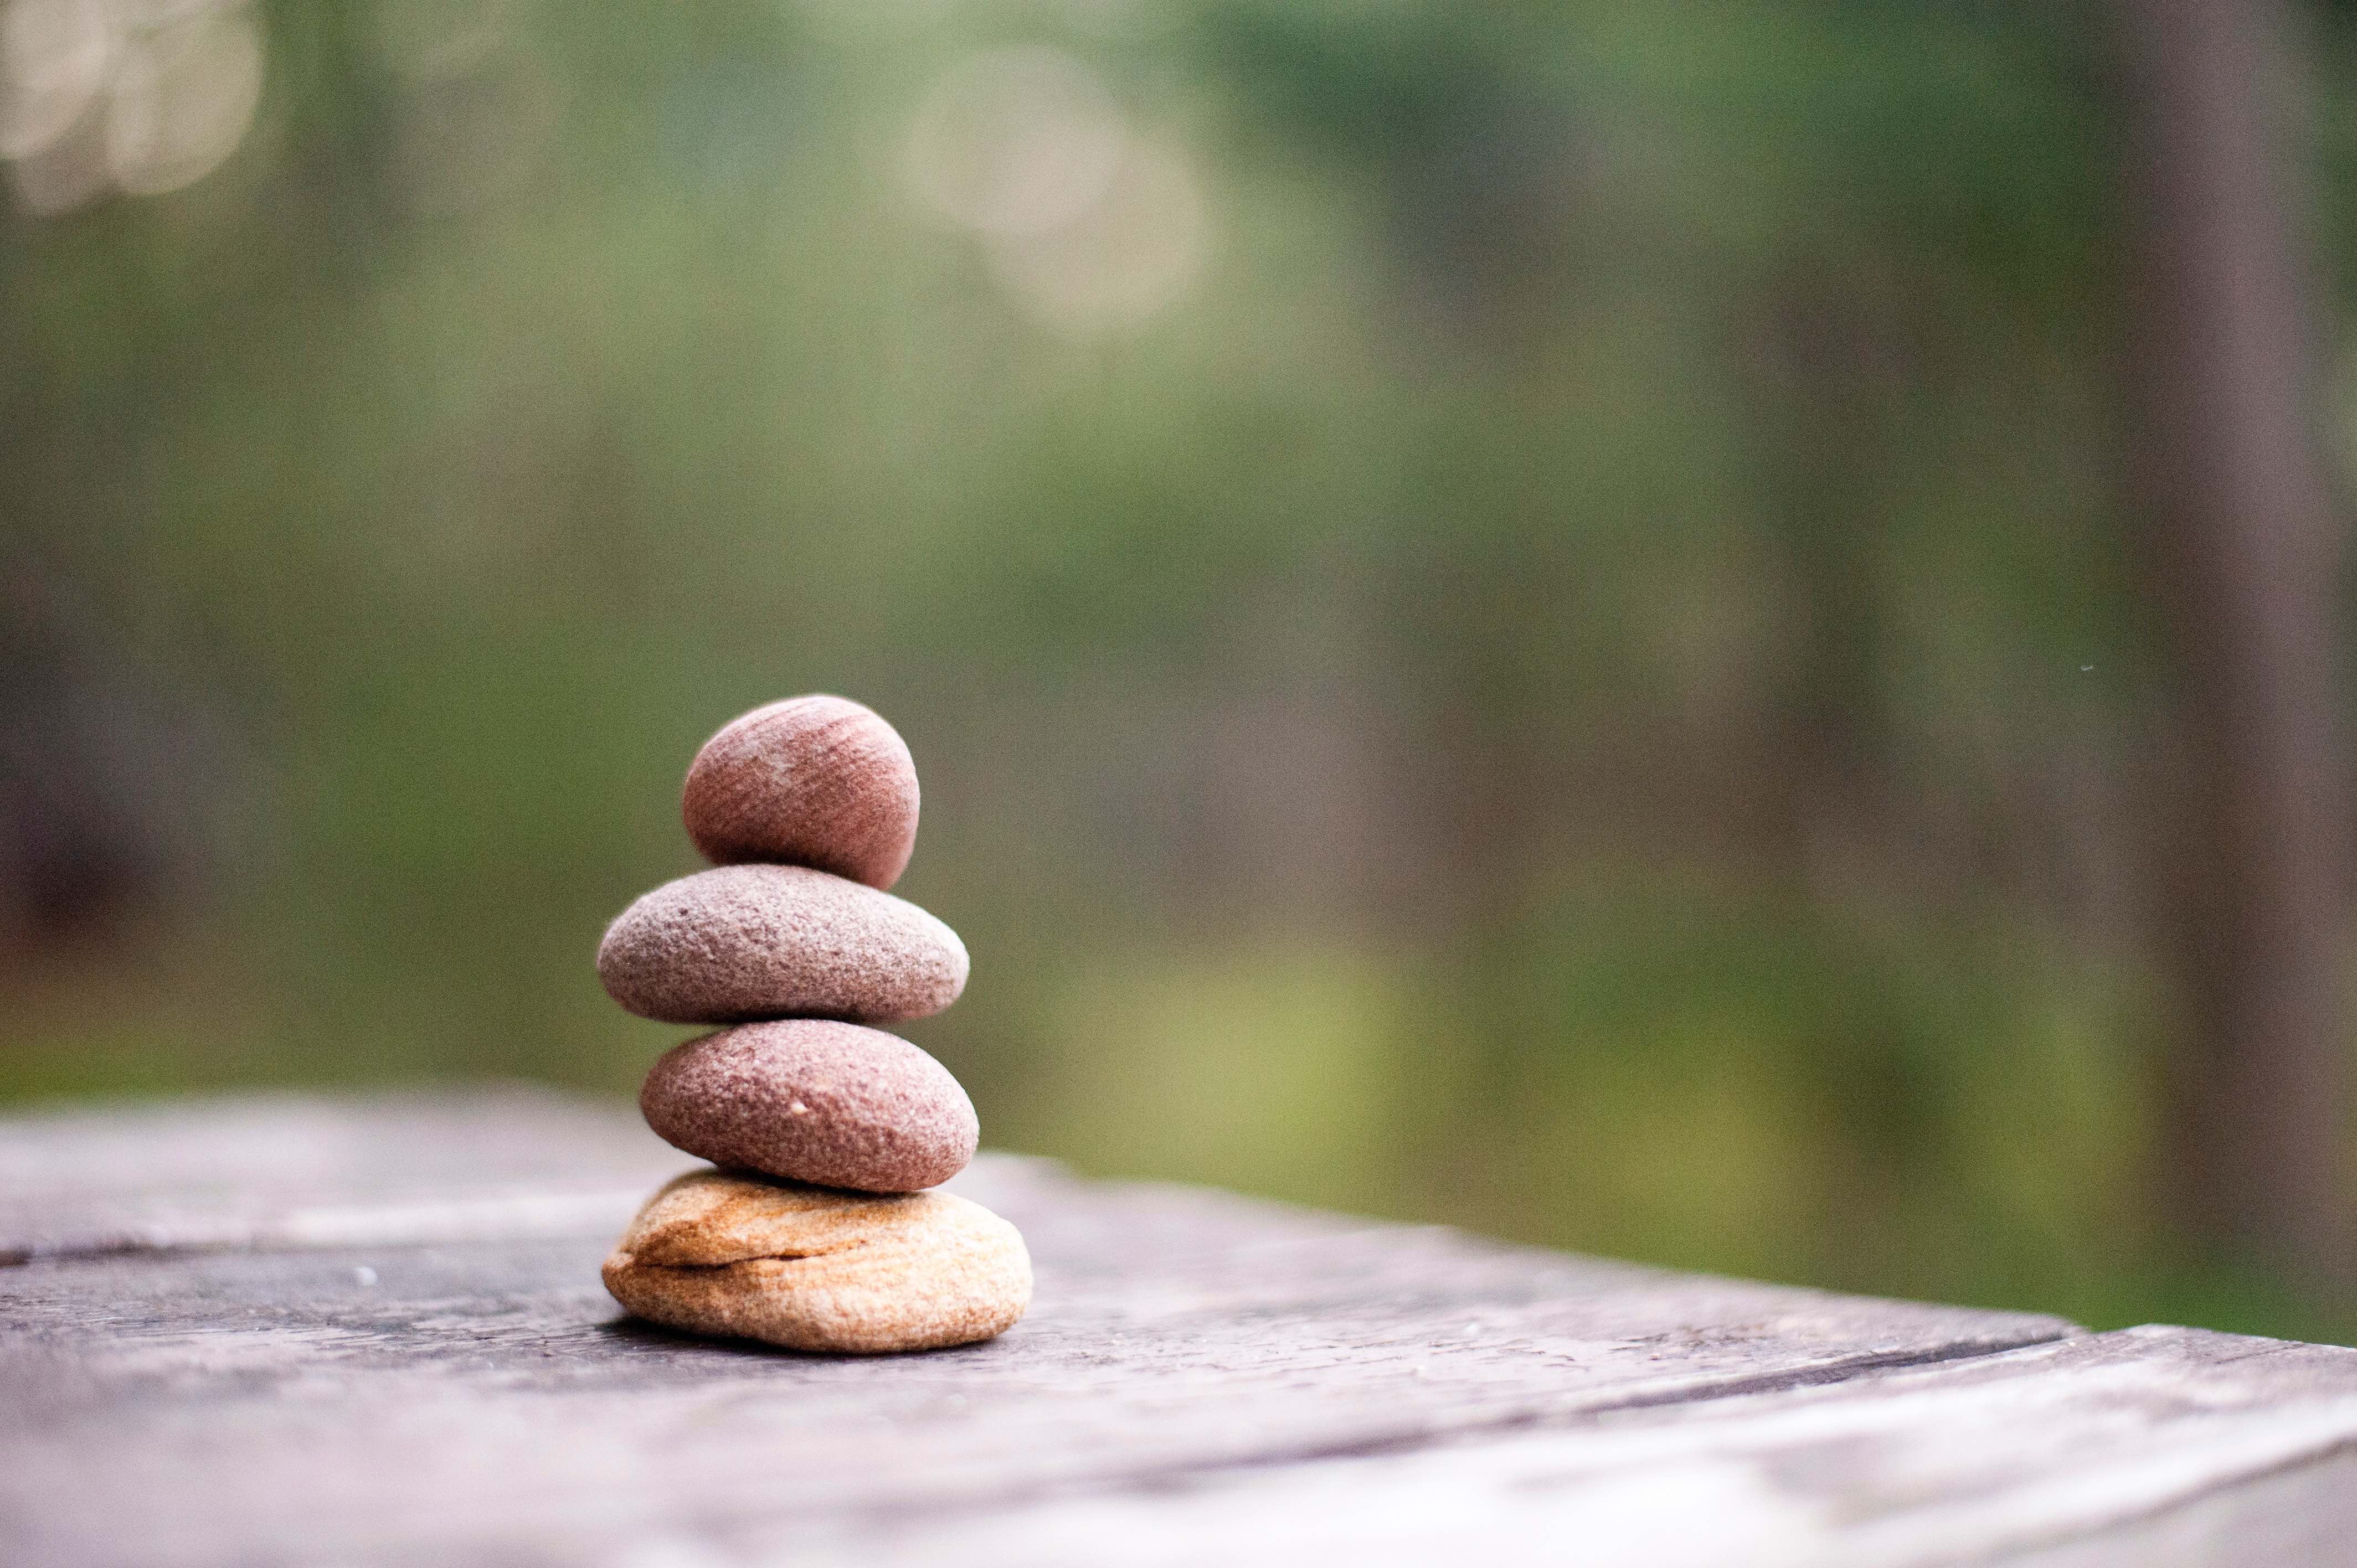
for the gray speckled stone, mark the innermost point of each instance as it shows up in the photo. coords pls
(742, 942)
(816, 1101)
(818, 782)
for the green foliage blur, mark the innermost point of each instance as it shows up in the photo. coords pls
(1515, 615)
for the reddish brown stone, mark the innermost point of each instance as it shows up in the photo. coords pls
(818, 782)
(830, 1103)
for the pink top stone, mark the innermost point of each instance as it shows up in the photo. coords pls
(818, 782)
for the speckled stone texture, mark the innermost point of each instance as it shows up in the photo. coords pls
(742, 942)
(810, 1100)
(818, 782)
(813, 1268)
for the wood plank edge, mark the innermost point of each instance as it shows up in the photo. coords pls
(511, 1217)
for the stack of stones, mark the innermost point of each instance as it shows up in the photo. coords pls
(815, 1231)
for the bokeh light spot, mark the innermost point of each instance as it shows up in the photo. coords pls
(1016, 142)
(184, 97)
(1133, 252)
(54, 58)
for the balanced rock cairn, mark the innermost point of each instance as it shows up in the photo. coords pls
(816, 1231)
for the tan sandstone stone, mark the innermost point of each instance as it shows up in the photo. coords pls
(814, 1269)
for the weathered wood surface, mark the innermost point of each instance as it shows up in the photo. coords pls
(293, 1331)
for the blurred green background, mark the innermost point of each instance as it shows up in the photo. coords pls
(1520, 615)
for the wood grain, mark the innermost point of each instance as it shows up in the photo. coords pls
(273, 1170)
(299, 1332)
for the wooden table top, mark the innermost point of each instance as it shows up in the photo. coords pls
(308, 1331)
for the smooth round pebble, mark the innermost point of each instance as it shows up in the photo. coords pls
(818, 782)
(741, 942)
(817, 1102)
(813, 1268)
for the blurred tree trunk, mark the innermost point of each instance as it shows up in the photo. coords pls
(2242, 537)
